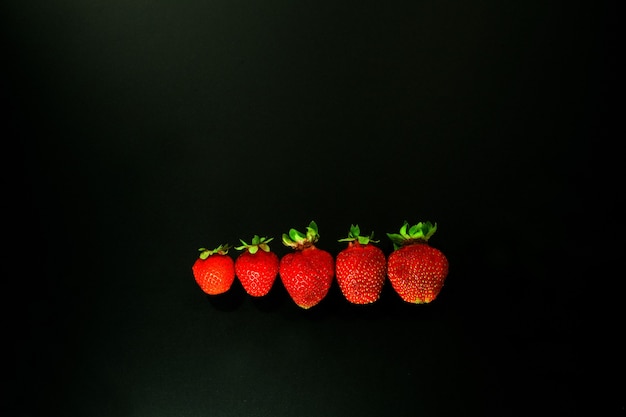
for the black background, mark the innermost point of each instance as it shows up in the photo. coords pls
(142, 131)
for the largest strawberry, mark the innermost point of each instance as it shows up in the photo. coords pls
(416, 270)
(307, 272)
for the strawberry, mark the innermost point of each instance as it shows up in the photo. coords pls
(256, 269)
(214, 270)
(416, 270)
(307, 273)
(360, 268)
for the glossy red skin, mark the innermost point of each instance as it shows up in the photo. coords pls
(307, 275)
(361, 271)
(215, 274)
(257, 272)
(417, 272)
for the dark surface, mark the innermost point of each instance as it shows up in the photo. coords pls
(145, 130)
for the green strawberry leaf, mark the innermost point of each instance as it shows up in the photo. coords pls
(298, 240)
(355, 235)
(312, 234)
(286, 240)
(363, 240)
(221, 249)
(403, 228)
(397, 239)
(419, 232)
(257, 242)
(296, 236)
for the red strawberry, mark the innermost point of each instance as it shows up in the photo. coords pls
(307, 273)
(416, 270)
(214, 270)
(361, 268)
(256, 269)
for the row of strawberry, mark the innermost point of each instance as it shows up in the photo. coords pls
(415, 269)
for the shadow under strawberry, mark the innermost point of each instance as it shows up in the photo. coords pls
(273, 301)
(230, 300)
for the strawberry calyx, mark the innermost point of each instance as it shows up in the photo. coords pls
(256, 244)
(417, 233)
(220, 250)
(298, 240)
(354, 235)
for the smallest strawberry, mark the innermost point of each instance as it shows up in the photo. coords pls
(256, 269)
(214, 270)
